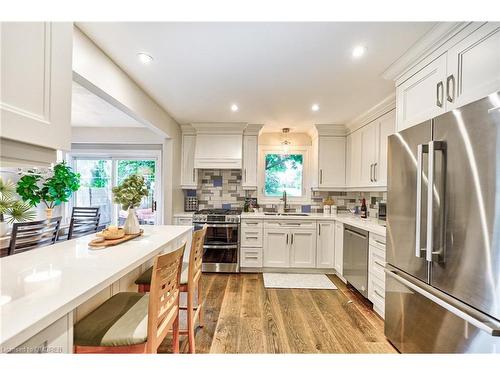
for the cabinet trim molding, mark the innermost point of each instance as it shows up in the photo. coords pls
(378, 110)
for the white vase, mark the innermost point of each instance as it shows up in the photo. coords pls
(4, 228)
(131, 225)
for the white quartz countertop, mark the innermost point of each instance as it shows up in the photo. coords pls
(371, 225)
(40, 286)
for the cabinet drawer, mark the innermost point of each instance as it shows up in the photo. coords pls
(377, 240)
(184, 221)
(377, 296)
(377, 264)
(251, 257)
(251, 223)
(290, 224)
(251, 237)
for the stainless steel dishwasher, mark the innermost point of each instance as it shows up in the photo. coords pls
(355, 264)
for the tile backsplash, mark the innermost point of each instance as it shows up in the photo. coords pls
(221, 188)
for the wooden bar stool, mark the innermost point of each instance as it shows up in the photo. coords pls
(132, 322)
(190, 284)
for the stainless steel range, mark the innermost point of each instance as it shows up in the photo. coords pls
(222, 242)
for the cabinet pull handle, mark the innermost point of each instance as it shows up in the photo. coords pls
(439, 94)
(375, 172)
(371, 172)
(319, 229)
(451, 97)
(321, 176)
(245, 171)
(292, 240)
(379, 264)
(287, 239)
(378, 293)
(193, 174)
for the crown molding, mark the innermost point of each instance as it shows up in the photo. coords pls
(219, 127)
(431, 41)
(327, 129)
(187, 129)
(379, 109)
(253, 129)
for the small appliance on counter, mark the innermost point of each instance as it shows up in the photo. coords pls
(382, 211)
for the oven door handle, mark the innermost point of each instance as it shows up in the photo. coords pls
(219, 225)
(229, 246)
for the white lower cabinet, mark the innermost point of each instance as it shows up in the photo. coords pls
(303, 248)
(251, 257)
(276, 248)
(56, 338)
(325, 245)
(339, 247)
(376, 273)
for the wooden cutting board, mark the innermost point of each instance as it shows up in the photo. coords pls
(100, 243)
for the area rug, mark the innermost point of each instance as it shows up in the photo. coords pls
(297, 281)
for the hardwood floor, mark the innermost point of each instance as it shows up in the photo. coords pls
(241, 316)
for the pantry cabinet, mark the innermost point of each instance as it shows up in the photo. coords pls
(189, 175)
(466, 71)
(35, 92)
(325, 245)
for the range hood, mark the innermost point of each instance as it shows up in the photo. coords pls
(219, 145)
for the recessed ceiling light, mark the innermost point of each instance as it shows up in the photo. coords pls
(358, 51)
(144, 58)
(234, 108)
(315, 107)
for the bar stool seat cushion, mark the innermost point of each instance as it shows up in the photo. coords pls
(145, 278)
(120, 321)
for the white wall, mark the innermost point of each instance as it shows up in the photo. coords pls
(94, 70)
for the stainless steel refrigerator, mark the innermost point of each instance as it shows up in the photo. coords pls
(443, 233)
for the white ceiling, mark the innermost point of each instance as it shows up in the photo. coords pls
(273, 71)
(89, 110)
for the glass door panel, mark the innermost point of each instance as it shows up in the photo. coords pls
(95, 186)
(146, 212)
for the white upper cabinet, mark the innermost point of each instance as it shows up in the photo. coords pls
(467, 69)
(329, 157)
(331, 162)
(250, 156)
(354, 159)
(385, 127)
(474, 67)
(422, 96)
(368, 152)
(189, 175)
(36, 77)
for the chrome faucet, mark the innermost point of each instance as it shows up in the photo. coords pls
(284, 199)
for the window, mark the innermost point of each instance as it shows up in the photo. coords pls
(283, 173)
(98, 175)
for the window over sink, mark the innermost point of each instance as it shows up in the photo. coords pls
(284, 172)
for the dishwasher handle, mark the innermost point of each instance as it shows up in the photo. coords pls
(356, 233)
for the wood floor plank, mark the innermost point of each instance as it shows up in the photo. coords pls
(242, 316)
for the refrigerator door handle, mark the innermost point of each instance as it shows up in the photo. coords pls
(433, 146)
(473, 317)
(421, 149)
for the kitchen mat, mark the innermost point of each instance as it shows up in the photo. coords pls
(297, 281)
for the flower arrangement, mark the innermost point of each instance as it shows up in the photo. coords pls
(130, 192)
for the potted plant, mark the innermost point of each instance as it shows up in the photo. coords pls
(129, 195)
(51, 188)
(12, 210)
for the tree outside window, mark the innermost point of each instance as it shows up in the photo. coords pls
(283, 173)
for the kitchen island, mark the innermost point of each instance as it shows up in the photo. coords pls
(44, 291)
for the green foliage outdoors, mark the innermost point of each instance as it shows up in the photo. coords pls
(12, 208)
(276, 167)
(100, 175)
(130, 192)
(53, 190)
(143, 168)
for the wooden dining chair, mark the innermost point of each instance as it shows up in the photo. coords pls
(132, 322)
(190, 284)
(33, 234)
(84, 220)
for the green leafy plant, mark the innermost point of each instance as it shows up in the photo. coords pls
(130, 192)
(52, 190)
(11, 208)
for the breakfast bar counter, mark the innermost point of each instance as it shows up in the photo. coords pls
(43, 286)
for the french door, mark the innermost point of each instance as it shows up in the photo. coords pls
(98, 175)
